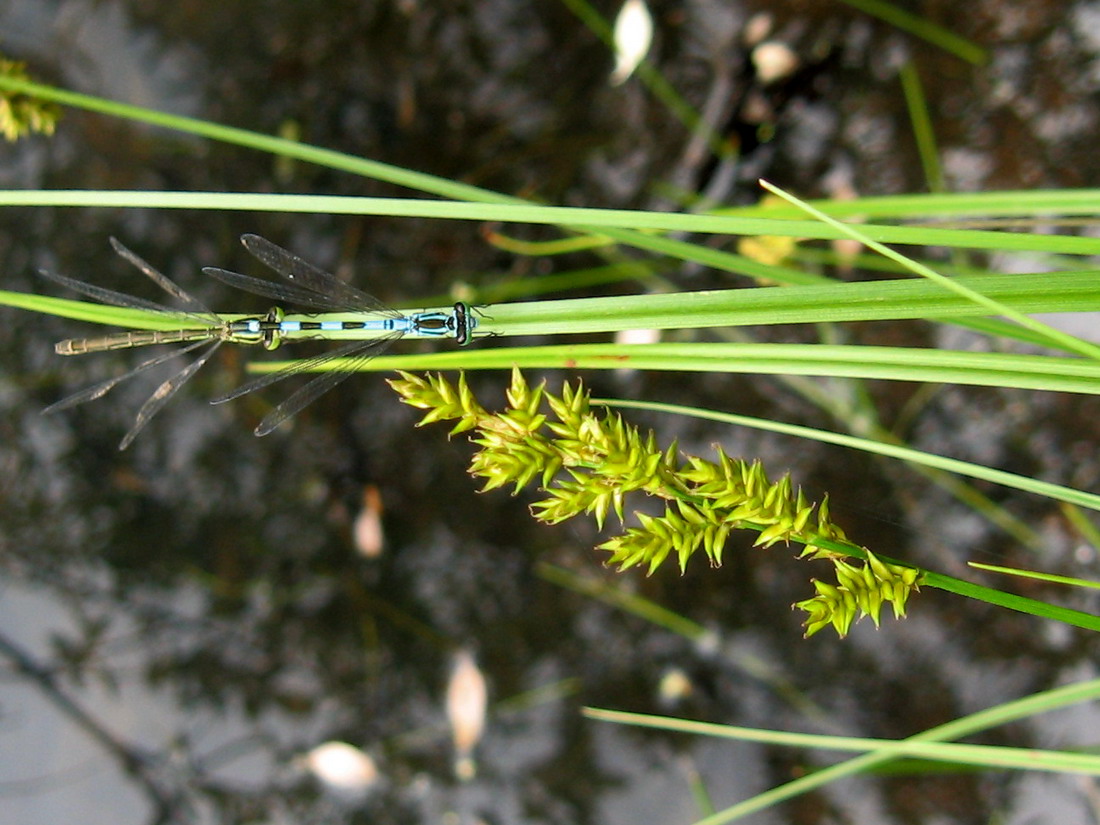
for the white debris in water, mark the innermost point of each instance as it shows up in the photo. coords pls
(633, 35)
(367, 529)
(675, 686)
(343, 769)
(759, 26)
(774, 61)
(467, 698)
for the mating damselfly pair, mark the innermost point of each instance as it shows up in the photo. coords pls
(339, 311)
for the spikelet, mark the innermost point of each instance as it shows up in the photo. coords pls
(589, 462)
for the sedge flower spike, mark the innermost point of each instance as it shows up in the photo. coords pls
(588, 462)
(22, 115)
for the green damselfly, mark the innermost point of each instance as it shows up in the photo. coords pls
(338, 311)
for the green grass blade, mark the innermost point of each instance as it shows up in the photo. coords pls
(1080, 522)
(1020, 604)
(892, 300)
(1032, 574)
(919, 27)
(619, 224)
(260, 142)
(1083, 201)
(988, 756)
(335, 160)
(87, 311)
(995, 307)
(631, 603)
(965, 468)
(966, 726)
(1035, 372)
(922, 126)
(1029, 203)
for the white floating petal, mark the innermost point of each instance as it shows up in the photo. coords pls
(467, 698)
(633, 34)
(675, 686)
(342, 768)
(758, 27)
(367, 529)
(774, 61)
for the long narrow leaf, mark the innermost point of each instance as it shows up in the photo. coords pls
(611, 222)
(908, 298)
(1035, 372)
(989, 756)
(964, 468)
(967, 725)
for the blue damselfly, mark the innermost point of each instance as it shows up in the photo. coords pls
(339, 311)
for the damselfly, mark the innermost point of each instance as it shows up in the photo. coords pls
(340, 312)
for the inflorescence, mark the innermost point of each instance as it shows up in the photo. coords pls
(587, 462)
(21, 114)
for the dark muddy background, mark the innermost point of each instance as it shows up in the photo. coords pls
(200, 599)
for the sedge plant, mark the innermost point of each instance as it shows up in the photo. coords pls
(590, 461)
(808, 298)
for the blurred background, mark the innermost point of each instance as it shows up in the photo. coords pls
(184, 623)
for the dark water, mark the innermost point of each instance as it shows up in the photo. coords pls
(200, 596)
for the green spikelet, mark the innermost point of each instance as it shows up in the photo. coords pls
(587, 463)
(21, 115)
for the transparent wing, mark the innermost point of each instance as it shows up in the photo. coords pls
(192, 303)
(271, 289)
(359, 351)
(314, 389)
(163, 394)
(368, 349)
(194, 308)
(103, 387)
(337, 294)
(118, 299)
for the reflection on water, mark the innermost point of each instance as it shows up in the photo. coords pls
(205, 602)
